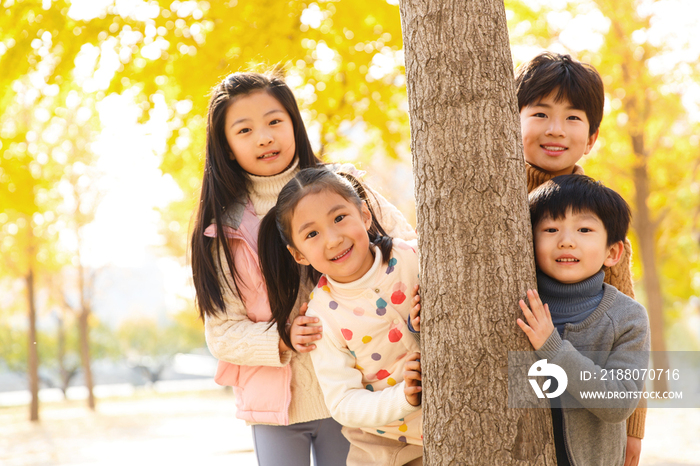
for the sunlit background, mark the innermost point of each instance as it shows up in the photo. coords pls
(102, 116)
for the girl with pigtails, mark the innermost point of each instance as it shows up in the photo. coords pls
(367, 361)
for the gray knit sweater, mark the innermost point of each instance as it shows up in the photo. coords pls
(618, 332)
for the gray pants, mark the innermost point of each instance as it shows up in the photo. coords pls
(290, 445)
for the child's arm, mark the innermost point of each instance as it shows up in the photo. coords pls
(231, 336)
(349, 402)
(412, 375)
(630, 351)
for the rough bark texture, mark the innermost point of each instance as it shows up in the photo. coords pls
(475, 235)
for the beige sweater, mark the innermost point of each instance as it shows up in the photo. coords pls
(619, 276)
(234, 338)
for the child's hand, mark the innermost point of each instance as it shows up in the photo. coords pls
(634, 448)
(412, 376)
(539, 322)
(415, 310)
(301, 334)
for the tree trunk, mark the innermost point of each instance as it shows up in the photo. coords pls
(63, 371)
(33, 356)
(638, 109)
(474, 230)
(84, 331)
(646, 232)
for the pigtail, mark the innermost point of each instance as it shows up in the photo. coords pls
(281, 272)
(377, 235)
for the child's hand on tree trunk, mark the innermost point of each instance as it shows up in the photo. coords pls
(415, 310)
(412, 376)
(539, 321)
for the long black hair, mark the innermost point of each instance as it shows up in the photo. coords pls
(226, 183)
(282, 274)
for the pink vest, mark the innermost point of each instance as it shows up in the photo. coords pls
(262, 393)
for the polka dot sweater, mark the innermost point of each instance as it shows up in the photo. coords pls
(360, 360)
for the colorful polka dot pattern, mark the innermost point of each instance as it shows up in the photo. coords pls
(399, 293)
(392, 265)
(371, 323)
(381, 307)
(406, 430)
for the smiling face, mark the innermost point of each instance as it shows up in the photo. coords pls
(330, 234)
(260, 134)
(555, 135)
(574, 248)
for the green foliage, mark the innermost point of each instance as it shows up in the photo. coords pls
(14, 345)
(140, 338)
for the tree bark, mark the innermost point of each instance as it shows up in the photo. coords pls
(474, 231)
(32, 353)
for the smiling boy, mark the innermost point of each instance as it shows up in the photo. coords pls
(561, 105)
(579, 227)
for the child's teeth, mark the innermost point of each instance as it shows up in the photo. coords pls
(341, 255)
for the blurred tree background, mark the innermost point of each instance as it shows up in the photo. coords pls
(96, 95)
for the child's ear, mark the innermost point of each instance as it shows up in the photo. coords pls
(614, 254)
(591, 141)
(298, 257)
(366, 216)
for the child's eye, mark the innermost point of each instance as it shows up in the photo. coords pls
(574, 117)
(244, 130)
(550, 230)
(540, 115)
(585, 230)
(339, 218)
(275, 121)
(311, 235)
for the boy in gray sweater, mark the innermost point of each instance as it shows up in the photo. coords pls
(585, 325)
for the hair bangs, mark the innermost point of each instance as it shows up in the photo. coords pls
(581, 194)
